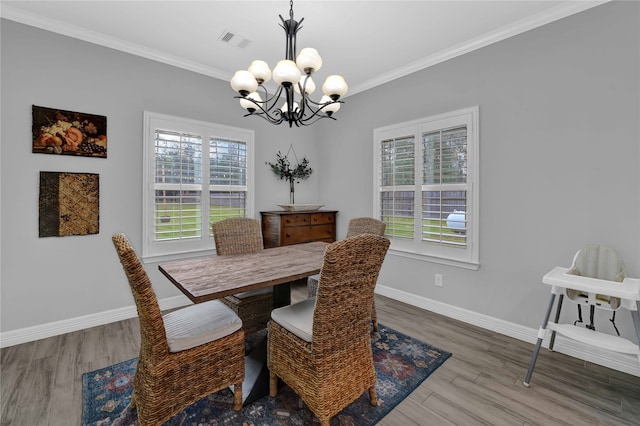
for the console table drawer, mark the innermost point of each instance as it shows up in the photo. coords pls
(296, 219)
(323, 218)
(305, 234)
(286, 228)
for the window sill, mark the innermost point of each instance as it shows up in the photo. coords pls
(465, 264)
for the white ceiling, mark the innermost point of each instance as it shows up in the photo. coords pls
(368, 42)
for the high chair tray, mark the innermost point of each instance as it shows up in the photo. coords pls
(628, 289)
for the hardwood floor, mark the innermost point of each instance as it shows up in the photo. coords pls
(41, 382)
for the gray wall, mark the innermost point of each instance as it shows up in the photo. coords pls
(559, 155)
(52, 279)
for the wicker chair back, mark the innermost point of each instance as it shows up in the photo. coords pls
(237, 235)
(336, 367)
(165, 383)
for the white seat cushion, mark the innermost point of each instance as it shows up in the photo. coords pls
(297, 318)
(254, 292)
(198, 324)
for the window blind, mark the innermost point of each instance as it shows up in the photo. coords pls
(227, 179)
(397, 186)
(444, 189)
(178, 185)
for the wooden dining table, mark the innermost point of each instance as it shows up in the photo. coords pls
(212, 277)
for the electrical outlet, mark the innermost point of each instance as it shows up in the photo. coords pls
(439, 280)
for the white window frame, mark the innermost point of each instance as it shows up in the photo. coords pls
(154, 251)
(414, 247)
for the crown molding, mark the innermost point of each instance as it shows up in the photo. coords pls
(559, 12)
(59, 27)
(511, 30)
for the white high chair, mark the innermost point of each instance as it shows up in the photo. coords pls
(596, 279)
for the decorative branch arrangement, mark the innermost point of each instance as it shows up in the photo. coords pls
(282, 168)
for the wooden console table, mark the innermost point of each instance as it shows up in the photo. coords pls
(283, 228)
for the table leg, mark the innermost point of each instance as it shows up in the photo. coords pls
(256, 373)
(541, 334)
(281, 295)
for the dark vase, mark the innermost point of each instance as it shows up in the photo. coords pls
(292, 197)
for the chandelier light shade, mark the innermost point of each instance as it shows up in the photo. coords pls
(291, 102)
(286, 73)
(244, 82)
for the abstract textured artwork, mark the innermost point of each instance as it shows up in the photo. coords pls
(69, 204)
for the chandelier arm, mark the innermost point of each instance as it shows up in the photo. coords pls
(264, 114)
(318, 117)
(291, 27)
(323, 104)
(302, 107)
(291, 115)
(273, 98)
(295, 39)
(265, 111)
(270, 119)
(314, 113)
(268, 99)
(304, 96)
(319, 109)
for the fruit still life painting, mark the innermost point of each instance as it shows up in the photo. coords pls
(56, 131)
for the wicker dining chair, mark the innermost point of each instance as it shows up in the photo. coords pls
(239, 235)
(186, 354)
(357, 226)
(321, 347)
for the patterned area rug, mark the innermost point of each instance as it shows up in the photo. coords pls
(401, 363)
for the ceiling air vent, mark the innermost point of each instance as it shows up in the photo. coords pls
(233, 39)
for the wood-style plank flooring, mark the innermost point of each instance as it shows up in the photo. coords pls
(41, 382)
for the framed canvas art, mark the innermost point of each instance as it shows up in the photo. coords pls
(69, 204)
(61, 132)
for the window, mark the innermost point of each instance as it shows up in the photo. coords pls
(426, 186)
(195, 173)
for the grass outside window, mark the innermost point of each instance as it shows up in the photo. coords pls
(171, 222)
(403, 228)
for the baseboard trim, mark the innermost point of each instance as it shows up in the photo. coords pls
(29, 334)
(616, 361)
(621, 362)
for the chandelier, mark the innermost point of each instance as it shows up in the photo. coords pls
(293, 76)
